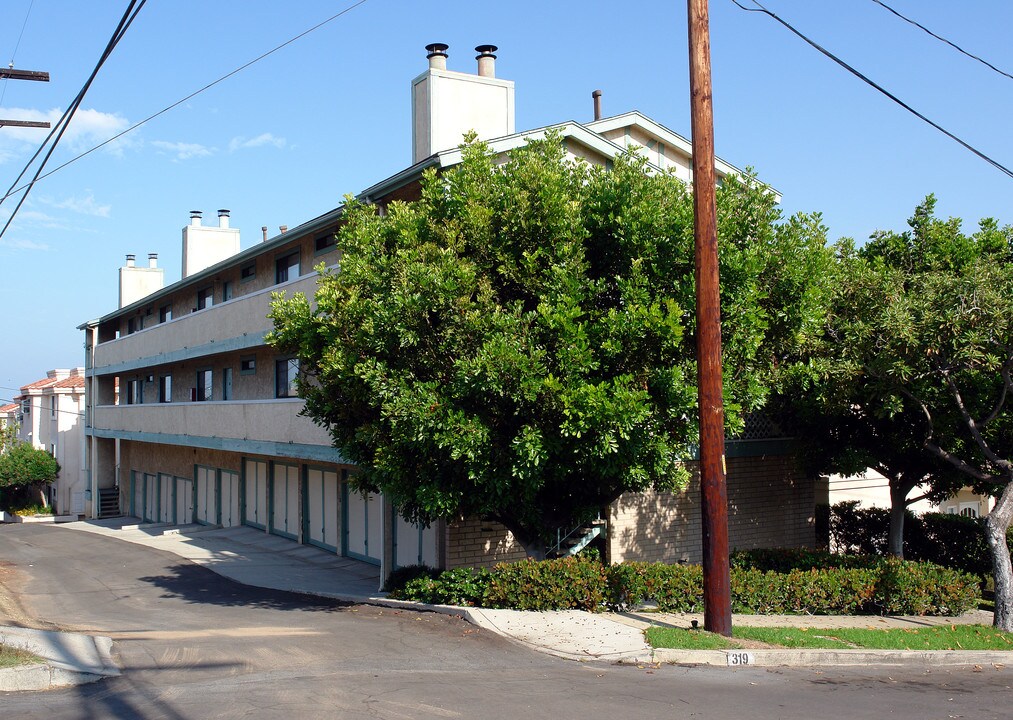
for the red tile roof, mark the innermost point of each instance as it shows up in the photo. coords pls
(74, 381)
(38, 384)
(8, 408)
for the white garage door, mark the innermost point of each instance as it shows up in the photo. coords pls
(322, 508)
(414, 544)
(150, 498)
(285, 501)
(255, 497)
(207, 496)
(229, 498)
(165, 506)
(184, 501)
(364, 526)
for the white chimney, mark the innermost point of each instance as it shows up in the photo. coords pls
(448, 104)
(139, 282)
(204, 246)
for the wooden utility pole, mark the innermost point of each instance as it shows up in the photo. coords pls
(12, 74)
(713, 493)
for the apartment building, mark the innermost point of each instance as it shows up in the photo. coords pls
(50, 414)
(207, 425)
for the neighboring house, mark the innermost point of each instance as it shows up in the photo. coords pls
(8, 414)
(207, 426)
(870, 489)
(50, 416)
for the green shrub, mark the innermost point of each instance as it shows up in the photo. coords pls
(403, 575)
(559, 584)
(860, 585)
(921, 588)
(462, 586)
(674, 588)
(786, 559)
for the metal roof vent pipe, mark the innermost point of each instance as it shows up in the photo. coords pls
(195, 216)
(596, 96)
(283, 229)
(223, 218)
(437, 55)
(263, 229)
(486, 60)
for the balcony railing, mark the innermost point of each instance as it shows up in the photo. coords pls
(235, 324)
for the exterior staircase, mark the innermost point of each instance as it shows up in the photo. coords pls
(572, 542)
(109, 502)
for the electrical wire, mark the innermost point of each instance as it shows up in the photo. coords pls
(16, 46)
(65, 412)
(191, 95)
(994, 163)
(128, 17)
(942, 39)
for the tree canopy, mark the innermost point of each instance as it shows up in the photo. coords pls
(917, 367)
(519, 343)
(22, 465)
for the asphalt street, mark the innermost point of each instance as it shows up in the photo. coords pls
(193, 644)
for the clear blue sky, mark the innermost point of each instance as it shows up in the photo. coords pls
(284, 140)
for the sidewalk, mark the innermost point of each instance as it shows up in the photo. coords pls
(256, 558)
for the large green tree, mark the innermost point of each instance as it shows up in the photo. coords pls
(519, 343)
(920, 347)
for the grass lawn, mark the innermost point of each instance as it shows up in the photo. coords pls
(946, 637)
(9, 657)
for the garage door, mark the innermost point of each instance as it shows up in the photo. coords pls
(285, 500)
(184, 501)
(321, 508)
(414, 544)
(207, 496)
(136, 494)
(229, 498)
(150, 498)
(165, 506)
(363, 525)
(255, 493)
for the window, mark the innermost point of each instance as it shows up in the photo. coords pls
(226, 291)
(165, 313)
(205, 298)
(227, 383)
(248, 365)
(248, 272)
(165, 389)
(286, 268)
(52, 406)
(205, 385)
(131, 326)
(285, 373)
(26, 407)
(325, 243)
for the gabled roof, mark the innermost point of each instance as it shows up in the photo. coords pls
(74, 381)
(39, 384)
(588, 135)
(7, 409)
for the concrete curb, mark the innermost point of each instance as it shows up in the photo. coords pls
(70, 659)
(840, 658)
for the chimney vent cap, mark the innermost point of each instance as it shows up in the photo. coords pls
(487, 50)
(196, 213)
(224, 213)
(437, 49)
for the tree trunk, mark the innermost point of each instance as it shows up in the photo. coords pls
(996, 524)
(899, 490)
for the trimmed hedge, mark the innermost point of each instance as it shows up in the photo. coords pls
(762, 582)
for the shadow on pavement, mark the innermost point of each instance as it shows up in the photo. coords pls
(198, 585)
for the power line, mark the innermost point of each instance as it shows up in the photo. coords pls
(61, 127)
(191, 95)
(942, 39)
(17, 45)
(761, 9)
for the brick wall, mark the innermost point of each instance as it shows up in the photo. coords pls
(480, 543)
(770, 504)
